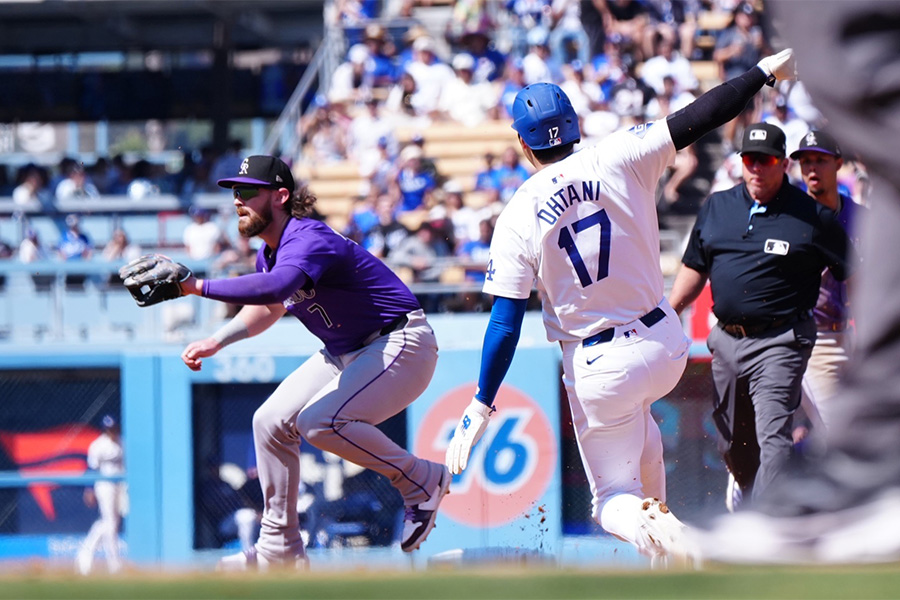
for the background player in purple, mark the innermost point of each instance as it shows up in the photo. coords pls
(379, 355)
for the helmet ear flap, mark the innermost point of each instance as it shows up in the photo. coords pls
(543, 116)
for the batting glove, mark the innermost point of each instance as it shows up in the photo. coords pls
(469, 430)
(779, 66)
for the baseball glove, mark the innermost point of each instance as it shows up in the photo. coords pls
(154, 278)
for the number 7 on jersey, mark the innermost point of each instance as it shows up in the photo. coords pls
(566, 242)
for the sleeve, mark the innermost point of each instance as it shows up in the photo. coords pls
(511, 266)
(500, 340)
(645, 151)
(257, 288)
(93, 455)
(714, 108)
(695, 255)
(836, 246)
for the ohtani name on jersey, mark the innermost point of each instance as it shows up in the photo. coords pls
(565, 197)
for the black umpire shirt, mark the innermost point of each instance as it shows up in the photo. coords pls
(768, 266)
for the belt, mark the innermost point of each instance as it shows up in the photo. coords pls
(398, 323)
(740, 330)
(650, 319)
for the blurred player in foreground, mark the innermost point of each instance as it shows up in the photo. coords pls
(845, 507)
(379, 355)
(584, 229)
(105, 455)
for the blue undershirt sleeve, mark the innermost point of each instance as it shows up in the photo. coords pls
(500, 342)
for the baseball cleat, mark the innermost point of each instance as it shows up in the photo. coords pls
(251, 560)
(419, 519)
(664, 536)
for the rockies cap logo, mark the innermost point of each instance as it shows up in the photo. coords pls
(811, 139)
(244, 166)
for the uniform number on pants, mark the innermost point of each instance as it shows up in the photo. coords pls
(567, 242)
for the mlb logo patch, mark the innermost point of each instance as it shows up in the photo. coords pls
(778, 247)
(758, 134)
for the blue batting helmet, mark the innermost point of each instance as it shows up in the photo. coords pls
(544, 117)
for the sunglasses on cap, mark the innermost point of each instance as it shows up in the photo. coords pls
(765, 160)
(245, 192)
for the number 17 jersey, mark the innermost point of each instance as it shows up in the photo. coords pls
(584, 231)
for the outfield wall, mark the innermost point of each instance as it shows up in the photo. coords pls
(524, 487)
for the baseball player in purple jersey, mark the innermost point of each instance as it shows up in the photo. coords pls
(820, 159)
(584, 230)
(379, 356)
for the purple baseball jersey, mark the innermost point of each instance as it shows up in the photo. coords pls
(833, 307)
(350, 294)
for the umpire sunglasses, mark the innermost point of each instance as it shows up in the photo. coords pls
(765, 160)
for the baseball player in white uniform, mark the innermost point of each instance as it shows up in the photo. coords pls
(584, 230)
(105, 456)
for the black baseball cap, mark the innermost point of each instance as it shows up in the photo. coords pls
(263, 171)
(764, 138)
(817, 141)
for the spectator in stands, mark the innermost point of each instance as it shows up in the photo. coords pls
(415, 184)
(668, 62)
(524, 16)
(630, 95)
(351, 13)
(668, 100)
(74, 243)
(380, 68)
(430, 75)
(388, 232)
(740, 45)
(406, 55)
(464, 101)
(31, 249)
(426, 163)
(351, 80)
(586, 96)
(629, 20)
(476, 252)
(782, 117)
(568, 40)
(363, 216)
(420, 252)
(120, 249)
(489, 62)
(463, 219)
(143, 182)
(76, 185)
(486, 177)
(384, 170)
(510, 174)
(511, 84)
(202, 237)
(32, 187)
(367, 130)
(6, 251)
(536, 65)
(399, 102)
(467, 15)
(677, 20)
(325, 134)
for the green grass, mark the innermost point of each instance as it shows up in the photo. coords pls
(731, 583)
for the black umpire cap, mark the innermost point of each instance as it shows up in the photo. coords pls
(817, 141)
(262, 171)
(764, 138)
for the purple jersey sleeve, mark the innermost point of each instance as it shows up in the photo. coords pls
(344, 295)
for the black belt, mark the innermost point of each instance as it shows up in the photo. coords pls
(742, 330)
(650, 319)
(398, 323)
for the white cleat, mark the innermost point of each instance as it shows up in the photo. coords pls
(251, 560)
(666, 537)
(419, 519)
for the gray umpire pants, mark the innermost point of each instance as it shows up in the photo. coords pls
(335, 403)
(758, 384)
(849, 60)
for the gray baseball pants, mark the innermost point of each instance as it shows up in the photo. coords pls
(757, 381)
(335, 403)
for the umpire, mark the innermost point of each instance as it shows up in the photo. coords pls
(762, 245)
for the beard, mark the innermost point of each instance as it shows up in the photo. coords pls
(254, 225)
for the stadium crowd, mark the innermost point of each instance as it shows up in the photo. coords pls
(622, 64)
